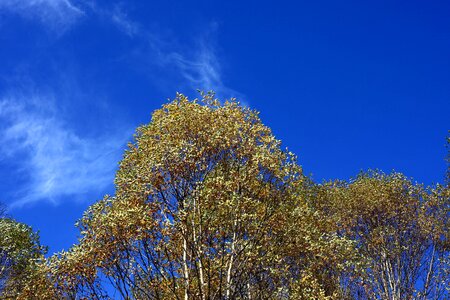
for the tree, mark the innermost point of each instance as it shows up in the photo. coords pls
(20, 251)
(401, 228)
(207, 206)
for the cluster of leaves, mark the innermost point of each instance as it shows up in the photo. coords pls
(20, 256)
(401, 229)
(208, 206)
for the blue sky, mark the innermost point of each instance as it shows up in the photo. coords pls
(346, 85)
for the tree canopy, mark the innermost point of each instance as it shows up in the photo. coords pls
(20, 253)
(208, 205)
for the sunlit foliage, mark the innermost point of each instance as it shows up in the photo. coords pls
(209, 206)
(400, 227)
(20, 253)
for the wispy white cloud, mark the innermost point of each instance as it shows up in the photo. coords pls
(56, 14)
(202, 70)
(57, 162)
(116, 14)
(198, 65)
(60, 15)
(120, 18)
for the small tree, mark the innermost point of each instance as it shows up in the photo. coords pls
(401, 228)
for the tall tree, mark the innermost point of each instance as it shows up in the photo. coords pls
(207, 206)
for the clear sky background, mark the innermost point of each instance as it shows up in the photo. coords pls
(346, 85)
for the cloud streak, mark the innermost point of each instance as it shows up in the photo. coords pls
(120, 19)
(60, 15)
(202, 70)
(198, 66)
(57, 162)
(56, 14)
(116, 14)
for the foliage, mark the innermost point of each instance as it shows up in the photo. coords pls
(208, 206)
(20, 252)
(400, 227)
